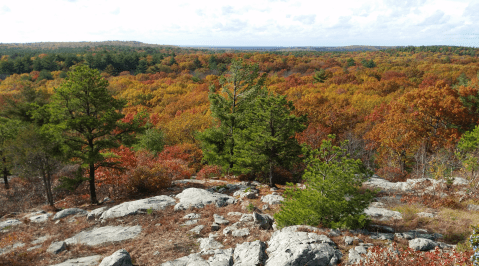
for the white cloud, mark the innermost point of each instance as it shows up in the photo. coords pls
(249, 22)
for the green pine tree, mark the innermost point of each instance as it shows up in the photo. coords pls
(267, 138)
(332, 197)
(90, 118)
(239, 88)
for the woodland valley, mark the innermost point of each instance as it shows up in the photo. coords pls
(126, 121)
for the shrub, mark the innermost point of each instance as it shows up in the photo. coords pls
(144, 179)
(209, 171)
(332, 196)
(474, 240)
(408, 257)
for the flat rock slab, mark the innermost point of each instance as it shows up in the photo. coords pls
(382, 214)
(301, 248)
(40, 218)
(96, 213)
(133, 207)
(198, 198)
(105, 234)
(9, 223)
(68, 212)
(85, 261)
(272, 199)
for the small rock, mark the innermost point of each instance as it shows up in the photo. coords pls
(272, 199)
(57, 247)
(197, 229)
(9, 223)
(334, 232)
(240, 232)
(209, 244)
(119, 258)
(422, 244)
(190, 222)
(263, 221)
(426, 215)
(246, 218)
(472, 207)
(96, 213)
(156, 253)
(348, 240)
(382, 228)
(382, 236)
(192, 216)
(215, 227)
(220, 219)
(68, 212)
(265, 207)
(235, 213)
(85, 261)
(40, 218)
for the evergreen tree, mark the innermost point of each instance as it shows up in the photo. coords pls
(90, 118)
(142, 67)
(320, 76)
(267, 138)
(240, 87)
(332, 197)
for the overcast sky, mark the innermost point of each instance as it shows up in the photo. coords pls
(244, 23)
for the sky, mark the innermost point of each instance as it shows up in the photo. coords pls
(244, 23)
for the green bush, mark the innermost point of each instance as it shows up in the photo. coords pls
(332, 197)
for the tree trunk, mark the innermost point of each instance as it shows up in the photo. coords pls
(271, 173)
(5, 173)
(92, 184)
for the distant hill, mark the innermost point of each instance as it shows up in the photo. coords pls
(56, 45)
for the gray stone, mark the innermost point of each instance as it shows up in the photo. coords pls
(9, 223)
(382, 214)
(119, 258)
(192, 216)
(190, 222)
(301, 248)
(459, 181)
(67, 212)
(246, 218)
(197, 229)
(355, 254)
(443, 245)
(265, 207)
(221, 257)
(34, 247)
(40, 240)
(426, 215)
(10, 248)
(190, 260)
(133, 207)
(240, 232)
(348, 240)
(209, 244)
(405, 235)
(263, 221)
(96, 213)
(334, 232)
(57, 247)
(250, 254)
(230, 228)
(422, 244)
(470, 207)
(220, 219)
(85, 261)
(198, 198)
(105, 234)
(215, 227)
(382, 228)
(40, 218)
(272, 199)
(248, 193)
(235, 213)
(382, 236)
